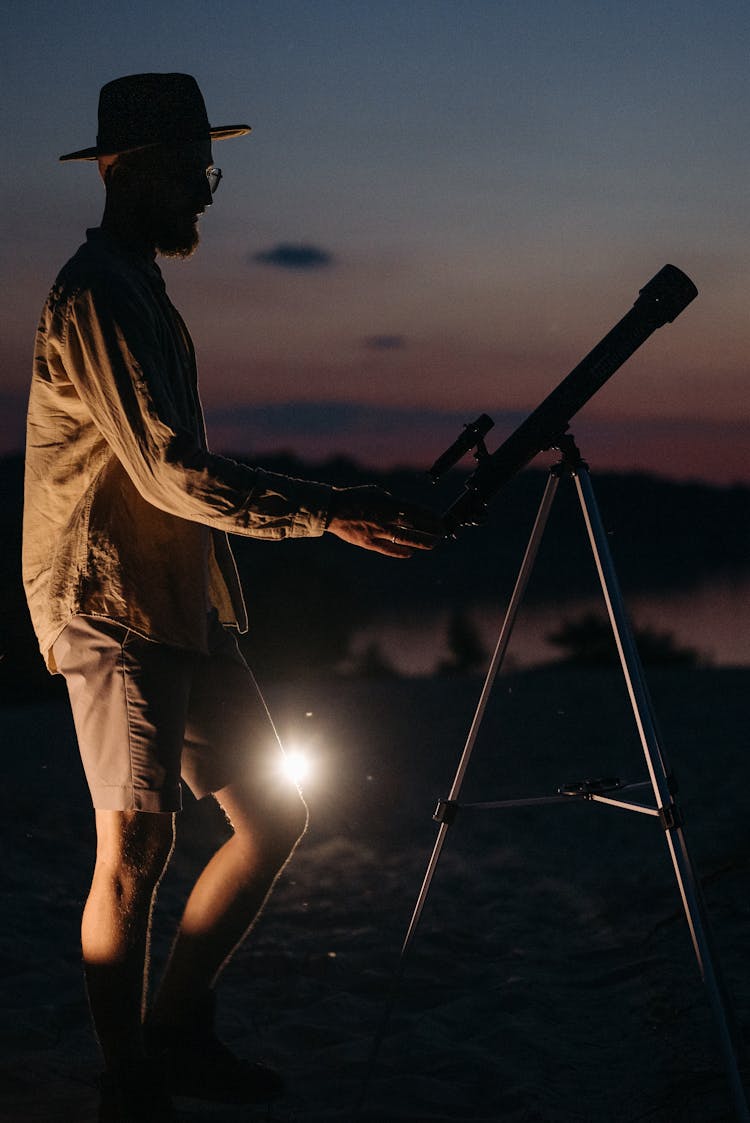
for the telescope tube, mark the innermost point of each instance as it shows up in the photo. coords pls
(659, 302)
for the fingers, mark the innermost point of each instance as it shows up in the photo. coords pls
(371, 536)
(389, 548)
(405, 536)
(399, 537)
(372, 519)
(417, 528)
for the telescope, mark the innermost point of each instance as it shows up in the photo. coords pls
(659, 302)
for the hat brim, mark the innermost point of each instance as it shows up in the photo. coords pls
(219, 132)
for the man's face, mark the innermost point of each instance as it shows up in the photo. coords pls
(168, 191)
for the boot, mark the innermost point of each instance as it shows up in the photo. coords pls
(197, 1064)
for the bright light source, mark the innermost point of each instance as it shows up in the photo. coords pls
(296, 765)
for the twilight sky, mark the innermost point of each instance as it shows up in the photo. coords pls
(443, 205)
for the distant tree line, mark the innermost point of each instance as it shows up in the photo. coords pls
(307, 598)
(588, 641)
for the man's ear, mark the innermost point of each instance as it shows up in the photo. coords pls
(105, 164)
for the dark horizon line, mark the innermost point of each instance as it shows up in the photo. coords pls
(338, 461)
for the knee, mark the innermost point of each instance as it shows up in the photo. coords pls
(153, 849)
(271, 832)
(133, 850)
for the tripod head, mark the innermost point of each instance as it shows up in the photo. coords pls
(659, 302)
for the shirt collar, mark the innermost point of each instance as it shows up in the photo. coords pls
(140, 259)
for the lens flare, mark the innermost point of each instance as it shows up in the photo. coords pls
(296, 765)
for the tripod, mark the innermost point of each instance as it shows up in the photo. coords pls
(666, 809)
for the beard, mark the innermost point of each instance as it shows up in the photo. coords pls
(171, 233)
(177, 236)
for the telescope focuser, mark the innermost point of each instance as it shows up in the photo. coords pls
(471, 438)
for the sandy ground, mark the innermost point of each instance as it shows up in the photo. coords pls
(552, 977)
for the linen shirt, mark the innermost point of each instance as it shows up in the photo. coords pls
(126, 512)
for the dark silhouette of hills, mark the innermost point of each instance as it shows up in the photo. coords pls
(305, 597)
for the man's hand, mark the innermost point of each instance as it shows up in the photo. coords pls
(370, 517)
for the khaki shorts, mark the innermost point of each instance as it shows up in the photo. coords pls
(146, 713)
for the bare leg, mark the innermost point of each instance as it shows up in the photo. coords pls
(133, 849)
(229, 895)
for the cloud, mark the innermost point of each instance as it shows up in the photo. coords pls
(294, 255)
(385, 342)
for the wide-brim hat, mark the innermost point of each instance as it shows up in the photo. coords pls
(144, 110)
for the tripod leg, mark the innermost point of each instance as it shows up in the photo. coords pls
(506, 630)
(496, 662)
(669, 813)
(501, 647)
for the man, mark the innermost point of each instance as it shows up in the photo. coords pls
(131, 587)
